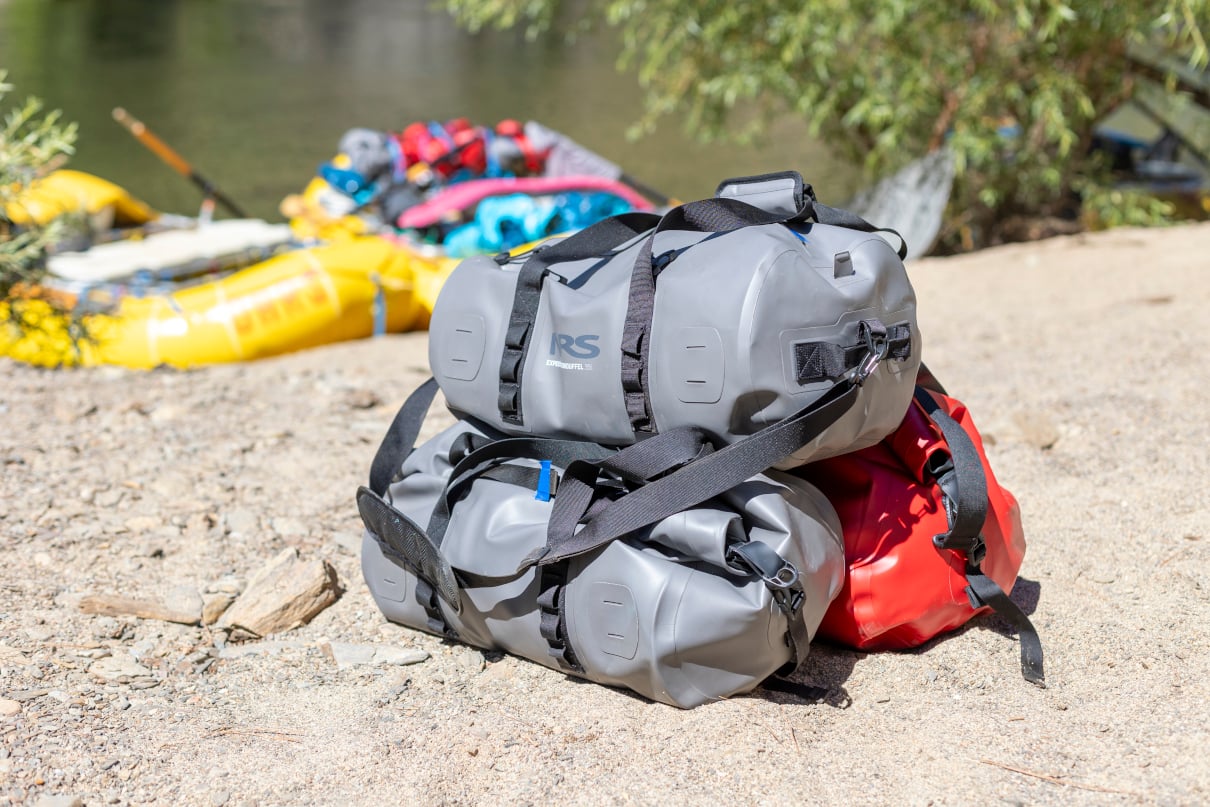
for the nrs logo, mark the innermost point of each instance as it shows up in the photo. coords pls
(577, 347)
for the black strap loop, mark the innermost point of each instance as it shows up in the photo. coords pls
(588, 243)
(401, 437)
(964, 491)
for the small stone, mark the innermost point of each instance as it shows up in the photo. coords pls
(399, 656)
(1037, 429)
(362, 399)
(106, 627)
(59, 801)
(8, 708)
(471, 660)
(118, 669)
(219, 798)
(141, 524)
(167, 412)
(286, 526)
(121, 704)
(241, 521)
(348, 541)
(347, 655)
(58, 695)
(108, 498)
(213, 606)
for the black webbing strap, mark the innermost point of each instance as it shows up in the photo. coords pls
(964, 490)
(590, 242)
(483, 460)
(401, 437)
(708, 216)
(827, 361)
(690, 485)
(398, 535)
(781, 578)
(552, 582)
(401, 538)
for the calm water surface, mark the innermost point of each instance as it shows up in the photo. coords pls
(256, 93)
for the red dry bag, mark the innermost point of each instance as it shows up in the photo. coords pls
(931, 539)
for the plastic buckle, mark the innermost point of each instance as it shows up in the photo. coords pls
(661, 261)
(789, 600)
(975, 552)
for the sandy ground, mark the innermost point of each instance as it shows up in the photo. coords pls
(1080, 359)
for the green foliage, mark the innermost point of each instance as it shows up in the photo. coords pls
(1014, 87)
(30, 143)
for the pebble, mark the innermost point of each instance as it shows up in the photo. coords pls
(9, 707)
(219, 798)
(118, 669)
(347, 655)
(59, 801)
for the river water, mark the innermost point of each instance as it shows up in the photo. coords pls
(256, 93)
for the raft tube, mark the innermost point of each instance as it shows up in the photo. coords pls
(300, 299)
(465, 195)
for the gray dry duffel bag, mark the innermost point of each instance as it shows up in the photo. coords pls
(726, 314)
(690, 607)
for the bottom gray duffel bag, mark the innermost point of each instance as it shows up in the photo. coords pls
(702, 605)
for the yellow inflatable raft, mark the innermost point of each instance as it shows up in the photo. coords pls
(299, 298)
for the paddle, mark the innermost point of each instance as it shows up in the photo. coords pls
(174, 160)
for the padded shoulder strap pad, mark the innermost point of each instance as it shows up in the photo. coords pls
(783, 193)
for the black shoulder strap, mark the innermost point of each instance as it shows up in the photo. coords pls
(693, 483)
(401, 437)
(964, 488)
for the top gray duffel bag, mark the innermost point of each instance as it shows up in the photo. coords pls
(727, 314)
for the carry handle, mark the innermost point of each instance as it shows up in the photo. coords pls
(782, 192)
(590, 242)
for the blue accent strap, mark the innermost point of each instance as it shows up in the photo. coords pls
(543, 493)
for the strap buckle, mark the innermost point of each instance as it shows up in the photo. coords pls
(779, 574)
(874, 334)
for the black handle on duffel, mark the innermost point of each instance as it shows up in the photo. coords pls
(707, 216)
(590, 242)
(698, 481)
(964, 487)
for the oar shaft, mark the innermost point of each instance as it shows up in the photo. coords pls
(174, 160)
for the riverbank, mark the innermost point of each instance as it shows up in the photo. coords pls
(1079, 358)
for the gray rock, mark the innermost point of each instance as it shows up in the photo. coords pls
(118, 669)
(241, 521)
(348, 655)
(287, 526)
(106, 627)
(59, 801)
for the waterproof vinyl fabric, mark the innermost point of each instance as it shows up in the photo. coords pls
(732, 314)
(661, 613)
(900, 590)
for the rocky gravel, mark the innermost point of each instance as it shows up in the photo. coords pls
(1079, 358)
